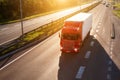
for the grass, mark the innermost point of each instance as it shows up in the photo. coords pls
(116, 11)
(31, 36)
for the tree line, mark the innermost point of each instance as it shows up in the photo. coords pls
(10, 9)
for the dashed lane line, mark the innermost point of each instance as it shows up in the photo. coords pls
(95, 36)
(108, 77)
(97, 30)
(110, 63)
(111, 48)
(80, 72)
(87, 56)
(98, 26)
(109, 68)
(92, 43)
(111, 56)
(99, 23)
(111, 53)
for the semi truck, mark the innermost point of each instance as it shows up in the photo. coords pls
(74, 32)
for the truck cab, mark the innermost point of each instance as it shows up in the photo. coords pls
(70, 37)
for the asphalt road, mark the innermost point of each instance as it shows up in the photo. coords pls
(45, 61)
(12, 31)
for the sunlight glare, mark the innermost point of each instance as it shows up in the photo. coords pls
(61, 1)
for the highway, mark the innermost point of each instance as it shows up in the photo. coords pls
(9, 32)
(45, 61)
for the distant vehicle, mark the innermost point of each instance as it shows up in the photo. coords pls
(74, 32)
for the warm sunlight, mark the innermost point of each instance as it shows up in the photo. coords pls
(61, 1)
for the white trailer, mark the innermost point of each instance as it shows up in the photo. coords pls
(85, 19)
(75, 31)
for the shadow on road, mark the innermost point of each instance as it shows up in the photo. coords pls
(68, 66)
(70, 63)
(97, 66)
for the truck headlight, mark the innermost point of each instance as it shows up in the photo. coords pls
(75, 49)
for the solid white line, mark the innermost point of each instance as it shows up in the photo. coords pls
(80, 72)
(26, 53)
(88, 54)
(7, 41)
(20, 56)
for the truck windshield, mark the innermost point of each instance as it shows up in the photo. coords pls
(70, 36)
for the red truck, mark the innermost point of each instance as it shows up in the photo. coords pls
(74, 32)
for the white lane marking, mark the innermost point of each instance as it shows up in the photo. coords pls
(80, 72)
(98, 26)
(111, 56)
(92, 43)
(109, 68)
(99, 23)
(103, 31)
(88, 54)
(99, 17)
(112, 45)
(17, 25)
(97, 30)
(111, 53)
(4, 29)
(110, 62)
(20, 56)
(8, 41)
(26, 52)
(95, 35)
(108, 77)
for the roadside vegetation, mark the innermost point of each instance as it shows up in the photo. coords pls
(10, 10)
(38, 34)
(116, 10)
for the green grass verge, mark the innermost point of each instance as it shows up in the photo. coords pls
(116, 11)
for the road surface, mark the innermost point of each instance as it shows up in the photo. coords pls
(45, 61)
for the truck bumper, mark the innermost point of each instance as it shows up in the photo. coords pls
(76, 50)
